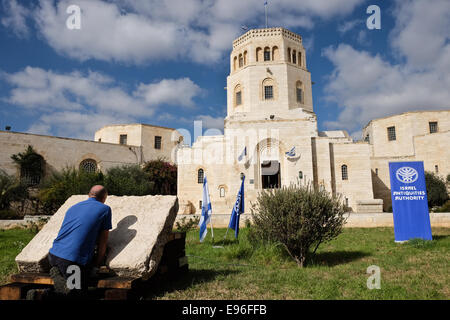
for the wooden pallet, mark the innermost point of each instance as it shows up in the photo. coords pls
(106, 286)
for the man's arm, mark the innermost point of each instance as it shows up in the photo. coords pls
(102, 241)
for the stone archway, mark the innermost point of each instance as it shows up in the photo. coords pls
(269, 167)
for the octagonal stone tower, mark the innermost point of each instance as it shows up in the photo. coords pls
(268, 74)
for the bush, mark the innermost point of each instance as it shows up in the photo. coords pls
(60, 186)
(298, 217)
(444, 208)
(436, 190)
(164, 176)
(128, 181)
(185, 226)
(11, 190)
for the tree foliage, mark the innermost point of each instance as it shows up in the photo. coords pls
(299, 217)
(10, 190)
(128, 181)
(164, 176)
(436, 190)
(30, 163)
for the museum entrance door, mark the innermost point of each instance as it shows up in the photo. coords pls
(270, 174)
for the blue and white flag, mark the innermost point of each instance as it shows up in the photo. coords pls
(265, 3)
(243, 154)
(237, 210)
(291, 153)
(206, 211)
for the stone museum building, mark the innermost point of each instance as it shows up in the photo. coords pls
(270, 137)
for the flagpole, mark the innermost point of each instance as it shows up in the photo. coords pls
(265, 7)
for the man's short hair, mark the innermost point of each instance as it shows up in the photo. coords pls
(98, 192)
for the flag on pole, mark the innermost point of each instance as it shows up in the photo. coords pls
(291, 153)
(265, 3)
(237, 210)
(206, 211)
(243, 154)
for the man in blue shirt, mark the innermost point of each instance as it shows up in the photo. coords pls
(86, 224)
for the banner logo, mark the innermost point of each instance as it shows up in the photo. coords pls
(407, 175)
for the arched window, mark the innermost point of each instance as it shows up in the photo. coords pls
(269, 89)
(234, 63)
(88, 165)
(242, 176)
(294, 57)
(289, 54)
(344, 172)
(222, 192)
(300, 59)
(237, 95)
(241, 60)
(266, 54)
(259, 56)
(275, 55)
(245, 58)
(299, 91)
(200, 176)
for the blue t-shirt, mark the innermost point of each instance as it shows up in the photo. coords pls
(78, 235)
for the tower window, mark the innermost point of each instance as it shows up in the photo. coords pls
(300, 59)
(436, 168)
(200, 175)
(267, 54)
(433, 127)
(294, 57)
(238, 98)
(241, 61)
(391, 134)
(299, 94)
(123, 139)
(158, 142)
(268, 92)
(222, 192)
(344, 172)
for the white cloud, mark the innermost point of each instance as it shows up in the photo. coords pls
(67, 100)
(176, 92)
(15, 16)
(209, 122)
(136, 32)
(367, 86)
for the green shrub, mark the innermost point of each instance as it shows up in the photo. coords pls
(31, 165)
(185, 226)
(164, 176)
(448, 178)
(11, 190)
(444, 208)
(128, 181)
(298, 217)
(61, 185)
(436, 190)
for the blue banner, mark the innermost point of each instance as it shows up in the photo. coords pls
(409, 201)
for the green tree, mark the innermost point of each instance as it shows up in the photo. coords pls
(128, 181)
(164, 176)
(11, 190)
(31, 165)
(436, 189)
(299, 217)
(60, 186)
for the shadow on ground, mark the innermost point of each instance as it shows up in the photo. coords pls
(161, 286)
(335, 258)
(440, 237)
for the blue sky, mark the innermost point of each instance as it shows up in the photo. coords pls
(165, 62)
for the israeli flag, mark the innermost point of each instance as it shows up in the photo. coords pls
(206, 211)
(237, 210)
(243, 154)
(291, 153)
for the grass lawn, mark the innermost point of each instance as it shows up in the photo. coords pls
(415, 270)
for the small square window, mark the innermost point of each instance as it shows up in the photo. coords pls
(433, 127)
(391, 134)
(268, 92)
(238, 98)
(123, 139)
(158, 142)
